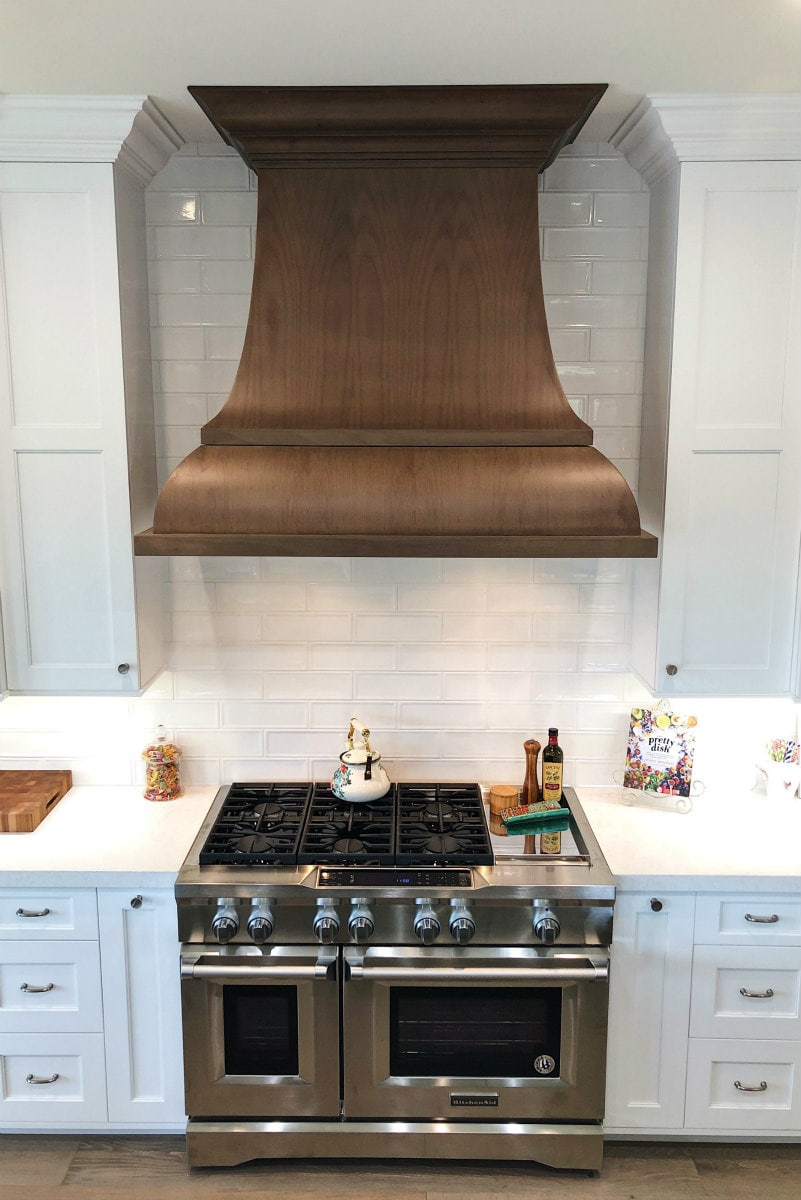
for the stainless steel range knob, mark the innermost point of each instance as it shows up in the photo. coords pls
(361, 925)
(461, 924)
(225, 922)
(547, 928)
(426, 925)
(326, 923)
(261, 921)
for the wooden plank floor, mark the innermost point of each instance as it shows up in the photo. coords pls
(71, 1167)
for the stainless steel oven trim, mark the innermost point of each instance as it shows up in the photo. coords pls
(575, 1095)
(210, 1091)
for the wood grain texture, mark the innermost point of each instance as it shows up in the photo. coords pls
(27, 797)
(559, 490)
(397, 392)
(397, 307)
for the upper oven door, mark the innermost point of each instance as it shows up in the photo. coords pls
(261, 1031)
(470, 1033)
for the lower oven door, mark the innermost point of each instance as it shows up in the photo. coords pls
(261, 1031)
(484, 1033)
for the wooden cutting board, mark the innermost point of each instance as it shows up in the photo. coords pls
(26, 797)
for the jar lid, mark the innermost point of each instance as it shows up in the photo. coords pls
(161, 750)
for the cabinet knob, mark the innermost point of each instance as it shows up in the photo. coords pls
(671, 669)
(656, 905)
(123, 668)
(136, 902)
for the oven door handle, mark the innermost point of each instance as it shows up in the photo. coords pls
(252, 969)
(592, 971)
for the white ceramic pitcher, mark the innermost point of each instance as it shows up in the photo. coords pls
(781, 779)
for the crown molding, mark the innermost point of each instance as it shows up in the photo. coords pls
(128, 130)
(664, 130)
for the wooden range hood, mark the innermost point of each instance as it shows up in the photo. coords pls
(397, 393)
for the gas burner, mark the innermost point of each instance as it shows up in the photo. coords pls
(255, 843)
(349, 845)
(266, 814)
(438, 844)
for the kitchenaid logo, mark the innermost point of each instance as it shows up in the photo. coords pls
(466, 1100)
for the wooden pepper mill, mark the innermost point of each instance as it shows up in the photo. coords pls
(531, 788)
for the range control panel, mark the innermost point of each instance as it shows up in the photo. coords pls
(393, 877)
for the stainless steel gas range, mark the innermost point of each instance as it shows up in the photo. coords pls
(388, 980)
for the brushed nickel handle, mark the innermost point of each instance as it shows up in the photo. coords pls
(771, 920)
(29, 912)
(41, 1078)
(136, 902)
(766, 995)
(123, 668)
(744, 1087)
(671, 669)
(656, 905)
(34, 987)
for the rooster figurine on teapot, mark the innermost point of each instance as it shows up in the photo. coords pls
(359, 778)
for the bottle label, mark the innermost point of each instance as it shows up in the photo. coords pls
(552, 780)
(551, 843)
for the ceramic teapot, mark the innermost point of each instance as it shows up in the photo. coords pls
(359, 777)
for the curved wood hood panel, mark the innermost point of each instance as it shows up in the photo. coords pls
(397, 392)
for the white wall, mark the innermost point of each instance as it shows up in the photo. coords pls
(452, 663)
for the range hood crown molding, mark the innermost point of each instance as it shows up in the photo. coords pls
(397, 393)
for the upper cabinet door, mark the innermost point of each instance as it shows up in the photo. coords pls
(722, 431)
(68, 573)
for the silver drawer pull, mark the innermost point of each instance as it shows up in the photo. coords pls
(766, 995)
(743, 1087)
(41, 1078)
(43, 912)
(771, 920)
(36, 987)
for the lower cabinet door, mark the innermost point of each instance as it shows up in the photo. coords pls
(743, 1085)
(52, 1079)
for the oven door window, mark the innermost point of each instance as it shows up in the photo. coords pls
(261, 1030)
(469, 1032)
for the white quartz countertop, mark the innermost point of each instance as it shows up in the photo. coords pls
(106, 837)
(112, 836)
(726, 842)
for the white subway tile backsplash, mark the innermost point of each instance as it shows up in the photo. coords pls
(442, 656)
(351, 598)
(608, 173)
(307, 627)
(172, 208)
(220, 171)
(177, 342)
(201, 241)
(581, 570)
(619, 278)
(568, 278)
(204, 376)
(486, 570)
(264, 656)
(605, 312)
(174, 275)
(486, 627)
(181, 408)
(442, 597)
(265, 713)
(598, 378)
(219, 685)
(298, 685)
(203, 309)
(209, 627)
(570, 344)
(223, 343)
(565, 208)
(230, 208)
(369, 685)
(486, 686)
(604, 658)
(534, 656)
(595, 241)
(624, 209)
(441, 716)
(582, 627)
(532, 597)
(398, 628)
(378, 716)
(223, 276)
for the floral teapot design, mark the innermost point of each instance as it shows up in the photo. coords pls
(359, 777)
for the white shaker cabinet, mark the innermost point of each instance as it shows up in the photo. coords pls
(142, 1006)
(90, 1011)
(77, 466)
(720, 467)
(649, 1003)
(705, 1015)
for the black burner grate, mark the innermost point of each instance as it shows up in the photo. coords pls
(442, 824)
(259, 824)
(415, 824)
(337, 832)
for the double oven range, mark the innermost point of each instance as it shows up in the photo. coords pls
(388, 980)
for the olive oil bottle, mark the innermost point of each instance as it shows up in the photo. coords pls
(552, 769)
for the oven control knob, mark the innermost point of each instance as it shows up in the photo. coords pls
(461, 925)
(361, 925)
(326, 923)
(225, 922)
(261, 922)
(426, 925)
(547, 928)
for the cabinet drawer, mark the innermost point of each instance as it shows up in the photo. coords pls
(770, 920)
(743, 1085)
(52, 1078)
(29, 915)
(746, 992)
(50, 987)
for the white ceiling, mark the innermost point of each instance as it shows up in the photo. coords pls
(638, 47)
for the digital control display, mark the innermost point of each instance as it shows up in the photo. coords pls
(410, 877)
